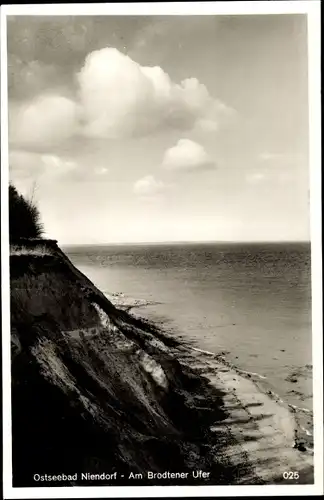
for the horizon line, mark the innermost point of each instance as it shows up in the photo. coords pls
(184, 242)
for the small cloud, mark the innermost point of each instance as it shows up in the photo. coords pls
(255, 177)
(101, 170)
(187, 156)
(269, 175)
(266, 156)
(29, 167)
(56, 163)
(55, 166)
(149, 186)
(276, 167)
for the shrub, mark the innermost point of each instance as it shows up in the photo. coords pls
(24, 217)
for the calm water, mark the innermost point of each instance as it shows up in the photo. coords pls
(252, 301)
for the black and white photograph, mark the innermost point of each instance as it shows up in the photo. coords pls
(161, 252)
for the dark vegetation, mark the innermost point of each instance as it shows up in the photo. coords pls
(24, 217)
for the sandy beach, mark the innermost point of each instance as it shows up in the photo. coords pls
(266, 433)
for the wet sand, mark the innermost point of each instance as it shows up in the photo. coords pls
(265, 433)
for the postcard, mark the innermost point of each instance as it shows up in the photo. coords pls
(161, 250)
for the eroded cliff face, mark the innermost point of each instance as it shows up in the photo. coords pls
(96, 390)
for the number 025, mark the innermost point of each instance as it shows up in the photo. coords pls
(290, 475)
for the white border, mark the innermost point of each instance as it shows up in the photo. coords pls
(314, 101)
(171, 8)
(310, 7)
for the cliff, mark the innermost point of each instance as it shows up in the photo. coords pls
(96, 390)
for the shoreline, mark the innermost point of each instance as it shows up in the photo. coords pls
(266, 429)
(303, 438)
(301, 434)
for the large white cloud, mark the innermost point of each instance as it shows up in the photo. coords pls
(116, 97)
(119, 97)
(187, 155)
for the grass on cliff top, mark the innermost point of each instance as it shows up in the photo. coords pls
(39, 251)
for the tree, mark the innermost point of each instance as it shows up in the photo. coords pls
(24, 217)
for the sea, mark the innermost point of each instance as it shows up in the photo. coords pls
(250, 302)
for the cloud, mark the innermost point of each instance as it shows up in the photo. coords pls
(266, 156)
(269, 175)
(29, 169)
(279, 158)
(119, 97)
(115, 97)
(256, 177)
(149, 186)
(36, 166)
(46, 120)
(101, 171)
(278, 168)
(187, 155)
(56, 165)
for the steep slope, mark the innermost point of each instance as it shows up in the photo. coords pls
(95, 390)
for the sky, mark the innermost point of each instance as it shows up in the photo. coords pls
(161, 128)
